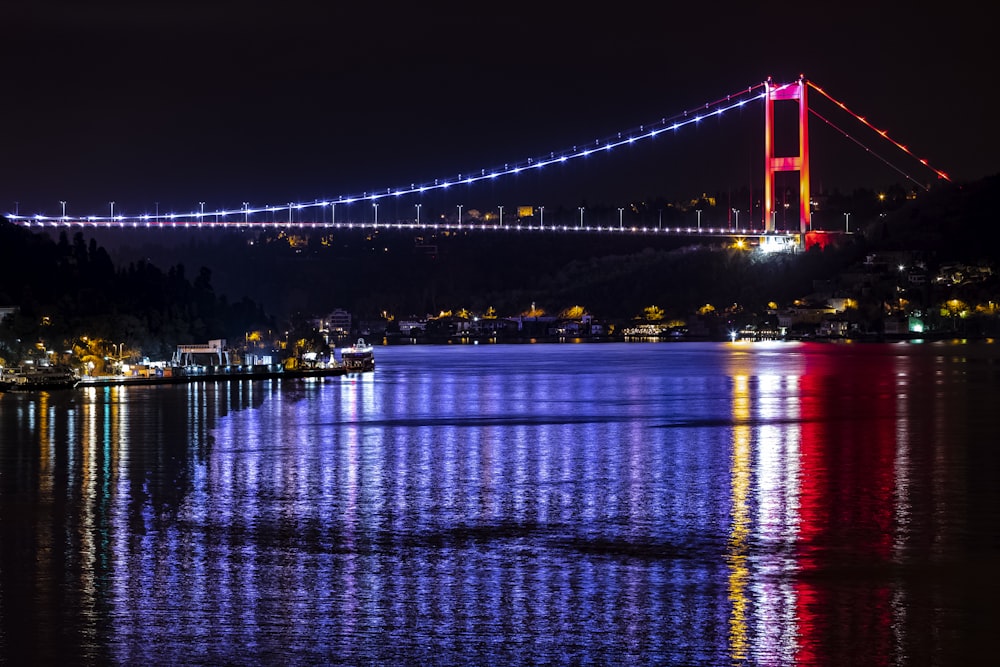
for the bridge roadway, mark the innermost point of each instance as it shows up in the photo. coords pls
(243, 226)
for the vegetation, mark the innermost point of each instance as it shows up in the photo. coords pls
(70, 299)
(71, 294)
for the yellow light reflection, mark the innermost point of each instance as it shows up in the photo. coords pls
(45, 448)
(740, 529)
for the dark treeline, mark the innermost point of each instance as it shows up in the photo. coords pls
(65, 287)
(407, 273)
(414, 273)
(68, 293)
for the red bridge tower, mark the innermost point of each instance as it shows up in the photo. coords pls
(800, 162)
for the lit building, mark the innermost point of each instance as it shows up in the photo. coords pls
(337, 323)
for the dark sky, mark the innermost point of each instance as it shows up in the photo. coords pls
(178, 101)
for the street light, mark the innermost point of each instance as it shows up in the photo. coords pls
(63, 209)
(375, 206)
(246, 212)
(541, 217)
(698, 211)
(737, 212)
(459, 215)
(621, 224)
(501, 215)
(581, 216)
(847, 223)
(112, 209)
(418, 213)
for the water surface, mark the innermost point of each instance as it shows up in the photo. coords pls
(759, 504)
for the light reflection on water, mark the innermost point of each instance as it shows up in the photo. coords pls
(597, 504)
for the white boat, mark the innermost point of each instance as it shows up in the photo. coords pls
(358, 357)
(38, 378)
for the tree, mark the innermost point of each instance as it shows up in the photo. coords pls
(653, 313)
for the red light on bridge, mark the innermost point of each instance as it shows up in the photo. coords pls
(822, 239)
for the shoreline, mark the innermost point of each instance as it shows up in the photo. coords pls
(576, 340)
(231, 376)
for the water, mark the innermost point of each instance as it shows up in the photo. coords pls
(705, 504)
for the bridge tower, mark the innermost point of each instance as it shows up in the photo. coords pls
(800, 162)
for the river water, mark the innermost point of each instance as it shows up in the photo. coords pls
(601, 504)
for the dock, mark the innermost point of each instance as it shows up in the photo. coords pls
(212, 374)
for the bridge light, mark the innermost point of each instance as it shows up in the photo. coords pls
(607, 143)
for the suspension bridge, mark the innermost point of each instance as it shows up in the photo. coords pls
(361, 211)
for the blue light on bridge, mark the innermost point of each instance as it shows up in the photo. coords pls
(630, 137)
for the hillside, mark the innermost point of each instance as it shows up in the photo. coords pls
(266, 280)
(68, 295)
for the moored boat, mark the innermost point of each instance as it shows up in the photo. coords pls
(358, 357)
(38, 378)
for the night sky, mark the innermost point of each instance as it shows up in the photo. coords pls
(174, 102)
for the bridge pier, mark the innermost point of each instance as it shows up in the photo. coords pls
(800, 163)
